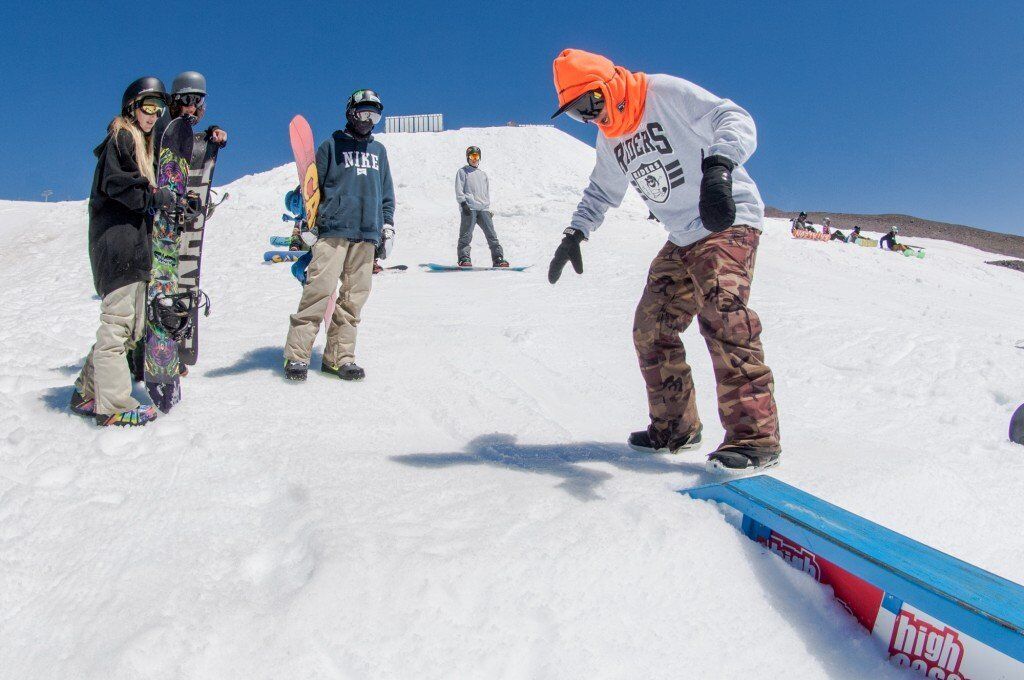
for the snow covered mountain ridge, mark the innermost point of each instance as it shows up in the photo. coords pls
(471, 510)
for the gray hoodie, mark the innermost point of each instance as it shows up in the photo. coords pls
(472, 188)
(682, 122)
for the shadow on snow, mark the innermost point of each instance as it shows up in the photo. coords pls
(270, 358)
(565, 461)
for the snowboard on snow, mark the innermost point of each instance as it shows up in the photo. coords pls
(283, 255)
(1017, 426)
(161, 367)
(304, 150)
(190, 251)
(430, 266)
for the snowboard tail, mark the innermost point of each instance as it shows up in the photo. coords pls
(1017, 426)
(283, 255)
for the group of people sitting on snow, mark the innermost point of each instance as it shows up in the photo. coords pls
(887, 242)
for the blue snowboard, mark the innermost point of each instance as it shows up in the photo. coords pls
(430, 266)
(282, 255)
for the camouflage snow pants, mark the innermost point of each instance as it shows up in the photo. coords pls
(709, 280)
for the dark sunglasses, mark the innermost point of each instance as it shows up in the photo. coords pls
(585, 108)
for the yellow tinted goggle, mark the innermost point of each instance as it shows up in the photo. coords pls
(152, 107)
(474, 156)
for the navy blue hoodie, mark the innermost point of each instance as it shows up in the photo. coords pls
(357, 197)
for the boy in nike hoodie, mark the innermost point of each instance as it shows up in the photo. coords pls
(357, 199)
(682, 149)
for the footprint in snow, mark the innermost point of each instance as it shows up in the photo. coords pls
(56, 478)
(290, 546)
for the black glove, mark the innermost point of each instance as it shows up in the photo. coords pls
(717, 207)
(568, 251)
(163, 199)
(464, 207)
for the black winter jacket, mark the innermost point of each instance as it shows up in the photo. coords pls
(120, 222)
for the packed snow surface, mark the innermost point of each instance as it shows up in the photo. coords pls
(470, 510)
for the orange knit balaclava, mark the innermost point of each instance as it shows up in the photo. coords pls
(578, 72)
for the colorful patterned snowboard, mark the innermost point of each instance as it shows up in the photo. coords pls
(304, 149)
(161, 366)
(190, 251)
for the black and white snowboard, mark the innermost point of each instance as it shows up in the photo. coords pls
(200, 177)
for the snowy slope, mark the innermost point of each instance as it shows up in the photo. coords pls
(470, 509)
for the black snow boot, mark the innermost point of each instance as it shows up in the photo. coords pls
(295, 370)
(742, 460)
(347, 371)
(643, 442)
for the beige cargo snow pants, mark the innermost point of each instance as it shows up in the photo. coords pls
(333, 259)
(106, 376)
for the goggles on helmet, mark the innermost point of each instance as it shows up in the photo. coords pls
(367, 114)
(151, 106)
(191, 99)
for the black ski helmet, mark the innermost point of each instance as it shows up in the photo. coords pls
(364, 98)
(473, 150)
(144, 86)
(189, 82)
(360, 101)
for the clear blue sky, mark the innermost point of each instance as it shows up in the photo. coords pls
(912, 107)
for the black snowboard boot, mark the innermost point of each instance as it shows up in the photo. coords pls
(347, 371)
(742, 460)
(295, 370)
(500, 263)
(641, 441)
(465, 262)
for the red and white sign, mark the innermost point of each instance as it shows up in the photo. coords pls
(913, 639)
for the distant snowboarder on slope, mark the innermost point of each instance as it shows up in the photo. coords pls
(800, 223)
(122, 203)
(660, 133)
(357, 202)
(888, 242)
(473, 193)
